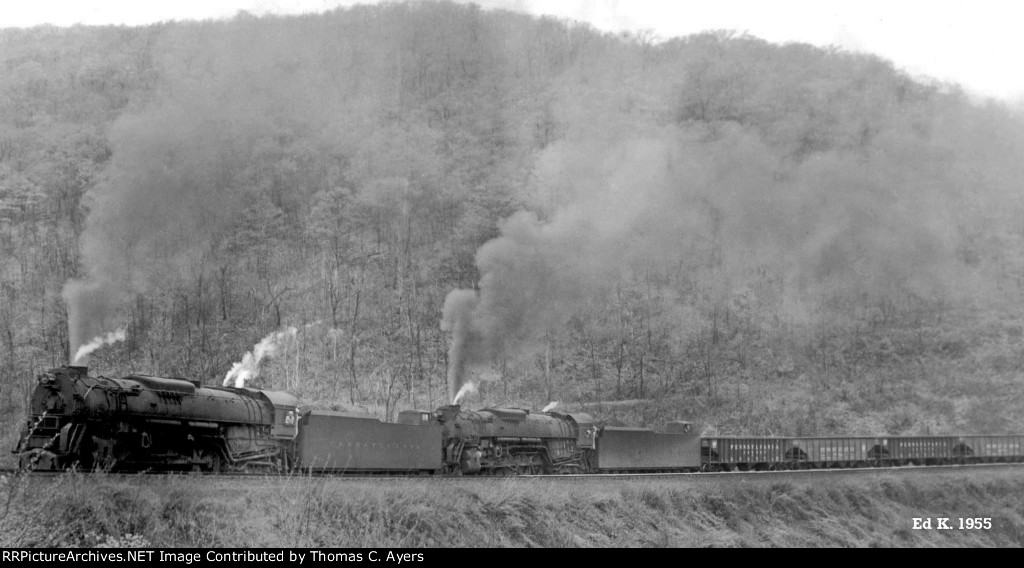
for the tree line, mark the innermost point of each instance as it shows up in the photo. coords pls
(762, 237)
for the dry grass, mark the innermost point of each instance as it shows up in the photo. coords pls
(101, 510)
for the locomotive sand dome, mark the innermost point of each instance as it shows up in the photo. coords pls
(142, 421)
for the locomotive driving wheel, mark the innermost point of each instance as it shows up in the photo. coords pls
(216, 464)
(207, 459)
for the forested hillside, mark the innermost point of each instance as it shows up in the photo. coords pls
(767, 239)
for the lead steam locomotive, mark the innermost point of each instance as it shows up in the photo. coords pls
(143, 422)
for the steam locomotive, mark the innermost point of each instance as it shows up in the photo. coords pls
(163, 423)
(142, 421)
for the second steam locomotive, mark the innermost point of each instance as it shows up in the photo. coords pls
(142, 422)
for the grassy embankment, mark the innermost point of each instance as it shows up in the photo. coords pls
(78, 510)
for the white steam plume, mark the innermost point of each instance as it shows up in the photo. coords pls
(551, 406)
(468, 388)
(249, 366)
(97, 342)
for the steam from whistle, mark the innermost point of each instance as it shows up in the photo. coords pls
(550, 406)
(468, 388)
(97, 342)
(249, 366)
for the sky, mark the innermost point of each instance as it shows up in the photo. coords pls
(977, 43)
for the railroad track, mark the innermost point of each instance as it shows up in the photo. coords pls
(733, 476)
(797, 474)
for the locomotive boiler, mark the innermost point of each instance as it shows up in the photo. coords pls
(143, 421)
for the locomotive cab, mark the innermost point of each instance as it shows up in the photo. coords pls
(414, 417)
(678, 427)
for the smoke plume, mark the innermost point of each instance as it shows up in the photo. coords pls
(249, 367)
(154, 217)
(185, 164)
(537, 273)
(715, 212)
(97, 342)
(89, 308)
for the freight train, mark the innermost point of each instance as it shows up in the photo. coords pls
(143, 422)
